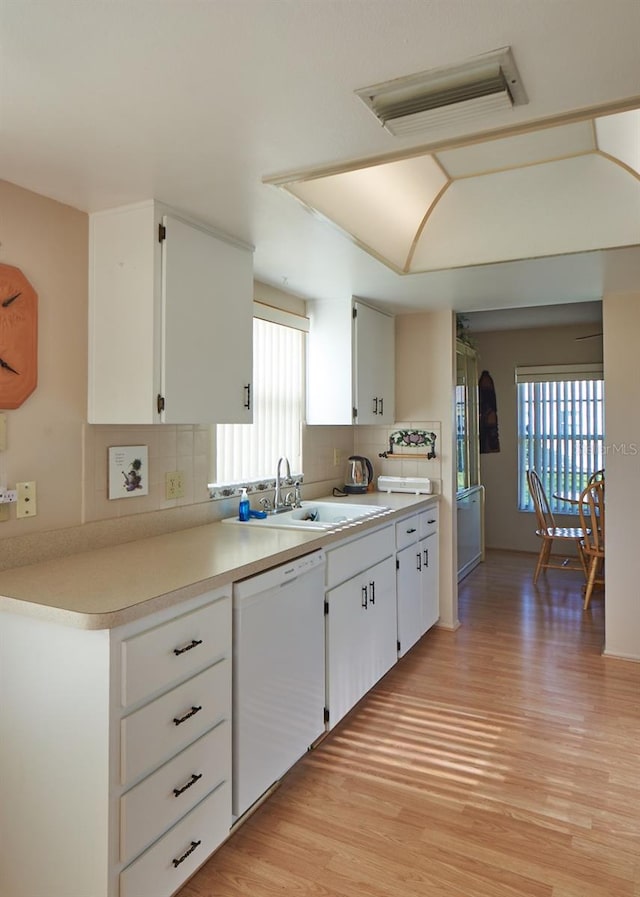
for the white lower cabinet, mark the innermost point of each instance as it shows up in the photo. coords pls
(361, 623)
(416, 577)
(115, 751)
(175, 748)
(165, 866)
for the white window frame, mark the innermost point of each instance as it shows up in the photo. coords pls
(551, 400)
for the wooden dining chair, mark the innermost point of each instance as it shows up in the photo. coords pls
(549, 532)
(591, 510)
(596, 477)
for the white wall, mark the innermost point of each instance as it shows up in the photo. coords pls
(622, 403)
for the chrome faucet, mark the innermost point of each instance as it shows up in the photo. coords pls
(278, 502)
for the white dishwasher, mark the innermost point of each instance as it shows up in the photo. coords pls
(278, 673)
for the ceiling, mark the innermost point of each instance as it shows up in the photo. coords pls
(208, 105)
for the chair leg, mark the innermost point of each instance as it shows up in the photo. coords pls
(583, 560)
(593, 569)
(538, 564)
(543, 558)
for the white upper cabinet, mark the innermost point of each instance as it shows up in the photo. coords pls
(351, 364)
(170, 320)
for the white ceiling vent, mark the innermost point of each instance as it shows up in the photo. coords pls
(448, 96)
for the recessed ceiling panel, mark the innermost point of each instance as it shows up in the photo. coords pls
(382, 206)
(619, 136)
(533, 147)
(562, 207)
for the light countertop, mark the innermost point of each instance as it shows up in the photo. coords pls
(107, 587)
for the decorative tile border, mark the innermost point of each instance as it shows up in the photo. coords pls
(230, 490)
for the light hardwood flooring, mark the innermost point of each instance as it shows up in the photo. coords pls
(501, 760)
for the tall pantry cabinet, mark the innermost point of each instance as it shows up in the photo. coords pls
(170, 320)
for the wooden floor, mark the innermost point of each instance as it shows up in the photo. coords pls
(495, 761)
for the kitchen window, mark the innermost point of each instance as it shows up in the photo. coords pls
(560, 429)
(248, 453)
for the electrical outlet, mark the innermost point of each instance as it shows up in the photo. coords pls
(27, 506)
(173, 484)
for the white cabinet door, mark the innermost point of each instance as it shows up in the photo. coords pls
(207, 329)
(381, 582)
(409, 586)
(361, 636)
(170, 320)
(374, 339)
(429, 585)
(470, 526)
(350, 364)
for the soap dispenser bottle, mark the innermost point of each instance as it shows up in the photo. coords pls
(243, 508)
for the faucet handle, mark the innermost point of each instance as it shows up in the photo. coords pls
(266, 503)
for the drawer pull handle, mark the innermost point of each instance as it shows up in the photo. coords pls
(193, 644)
(192, 712)
(411, 530)
(187, 853)
(194, 778)
(431, 521)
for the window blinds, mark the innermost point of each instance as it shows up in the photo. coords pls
(250, 452)
(560, 433)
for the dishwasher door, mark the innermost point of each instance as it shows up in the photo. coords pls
(278, 673)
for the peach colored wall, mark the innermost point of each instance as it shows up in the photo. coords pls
(425, 370)
(48, 241)
(49, 440)
(622, 388)
(500, 352)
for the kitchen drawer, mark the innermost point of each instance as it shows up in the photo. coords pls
(153, 734)
(162, 869)
(352, 557)
(407, 531)
(153, 806)
(165, 654)
(428, 522)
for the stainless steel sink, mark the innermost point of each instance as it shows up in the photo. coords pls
(316, 515)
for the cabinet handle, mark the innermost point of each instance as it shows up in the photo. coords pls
(412, 530)
(364, 601)
(431, 521)
(381, 406)
(426, 557)
(375, 405)
(372, 588)
(247, 403)
(193, 644)
(419, 561)
(192, 712)
(194, 778)
(187, 853)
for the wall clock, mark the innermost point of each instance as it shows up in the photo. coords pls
(18, 337)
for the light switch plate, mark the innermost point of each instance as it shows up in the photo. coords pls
(27, 505)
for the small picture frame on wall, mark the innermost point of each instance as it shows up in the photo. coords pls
(128, 471)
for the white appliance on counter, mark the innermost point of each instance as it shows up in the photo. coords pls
(278, 673)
